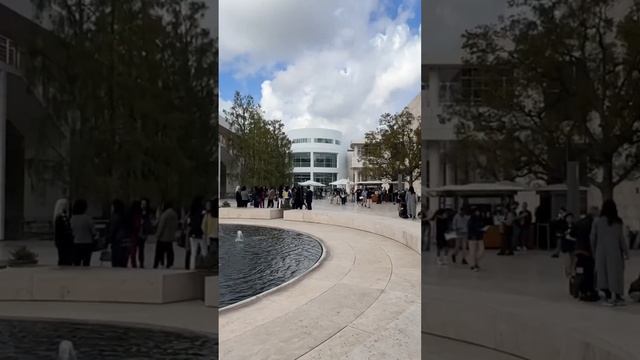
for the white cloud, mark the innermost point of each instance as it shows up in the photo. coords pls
(341, 70)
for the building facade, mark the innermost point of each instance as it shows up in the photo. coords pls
(318, 154)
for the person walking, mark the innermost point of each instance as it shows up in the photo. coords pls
(584, 256)
(194, 232)
(309, 197)
(461, 229)
(62, 234)
(411, 199)
(557, 231)
(83, 234)
(508, 231)
(568, 246)
(475, 226)
(166, 235)
(119, 235)
(525, 219)
(610, 247)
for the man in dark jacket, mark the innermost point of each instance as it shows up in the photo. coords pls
(309, 197)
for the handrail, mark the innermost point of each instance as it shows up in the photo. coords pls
(10, 53)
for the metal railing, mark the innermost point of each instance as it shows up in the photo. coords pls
(10, 53)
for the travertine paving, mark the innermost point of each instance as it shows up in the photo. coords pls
(361, 302)
(521, 305)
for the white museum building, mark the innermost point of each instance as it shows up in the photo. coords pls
(318, 154)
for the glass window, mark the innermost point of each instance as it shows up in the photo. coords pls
(325, 178)
(337, 142)
(299, 141)
(324, 141)
(301, 159)
(301, 177)
(325, 160)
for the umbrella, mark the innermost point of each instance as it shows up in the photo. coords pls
(311, 183)
(341, 182)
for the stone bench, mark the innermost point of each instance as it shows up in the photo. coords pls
(250, 213)
(406, 232)
(100, 285)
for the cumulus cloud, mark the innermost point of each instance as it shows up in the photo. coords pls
(341, 69)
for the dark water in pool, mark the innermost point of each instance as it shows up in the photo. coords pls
(38, 340)
(267, 257)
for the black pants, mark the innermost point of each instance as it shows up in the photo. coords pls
(269, 203)
(65, 255)
(588, 265)
(308, 205)
(119, 256)
(82, 254)
(164, 249)
(507, 240)
(139, 248)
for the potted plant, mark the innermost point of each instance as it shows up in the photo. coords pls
(23, 257)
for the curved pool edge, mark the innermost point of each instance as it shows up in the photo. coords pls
(292, 281)
(115, 323)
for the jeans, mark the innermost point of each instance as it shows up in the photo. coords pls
(196, 244)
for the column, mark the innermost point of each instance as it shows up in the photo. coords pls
(3, 146)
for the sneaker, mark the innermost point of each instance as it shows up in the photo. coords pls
(475, 269)
(555, 255)
(607, 302)
(464, 262)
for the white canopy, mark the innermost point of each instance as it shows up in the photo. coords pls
(311, 183)
(341, 182)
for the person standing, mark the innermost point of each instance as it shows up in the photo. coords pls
(569, 245)
(461, 228)
(166, 235)
(476, 225)
(119, 235)
(525, 219)
(83, 234)
(411, 199)
(272, 198)
(194, 232)
(309, 196)
(62, 234)
(508, 228)
(135, 218)
(244, 195)
(442, 226)
(146, 217)
(610, 247)
(557, 230)
(238, 197)
(209, 231)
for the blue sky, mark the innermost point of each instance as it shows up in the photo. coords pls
(332, 63)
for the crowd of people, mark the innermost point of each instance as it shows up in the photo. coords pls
(301, 197)
(128, 230)
(594, 244)
(295, 197)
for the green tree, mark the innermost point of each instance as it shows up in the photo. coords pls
(559, 78)
(394, 148)
(132, 91)
(260, 146)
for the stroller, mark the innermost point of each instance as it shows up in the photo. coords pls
(582, 284)
(402, 209)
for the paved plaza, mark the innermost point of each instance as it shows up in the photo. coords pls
(361, 302)
(521, 305)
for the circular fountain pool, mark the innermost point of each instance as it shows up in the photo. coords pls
(38, 340)
(264, 259)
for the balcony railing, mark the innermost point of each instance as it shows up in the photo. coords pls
(10, 54)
